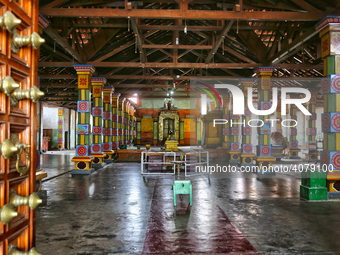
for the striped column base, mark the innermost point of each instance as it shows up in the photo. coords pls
(82, 165)
(109, 156)
(313, 155)
(98, 159)
(247, 159)
(294, 153)
(333, 185)
(234, 156)
(264, 163)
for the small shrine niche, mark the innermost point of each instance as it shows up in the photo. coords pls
(168, 121)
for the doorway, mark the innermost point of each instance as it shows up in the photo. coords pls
(168, 125)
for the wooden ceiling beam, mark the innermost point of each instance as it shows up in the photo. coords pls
(296, 43)
(253, 42)
(189, 46)
(100, 39)
(139, 39)
(174, 65)
(55, 3)
(60, 55)
(134, 85)
(63, 43)
(303, 4)
(154, 64)
(180, 14)
(218, 41)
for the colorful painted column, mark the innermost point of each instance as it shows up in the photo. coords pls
(114, 118)
(107, 124)
(130, 124)
(235, 150)
(278, 116)
(312, 131)
(134, 134)
(138, 130)
(121, 105)
(329, 32)
(60, 128)
(293, 143)
(264, 157)
(181, 131)
(83, 158)
(247, 154)
(155, 131)
(226, 127)
(97, 129)
(126, 122)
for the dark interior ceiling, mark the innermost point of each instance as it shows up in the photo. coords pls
(142, 46)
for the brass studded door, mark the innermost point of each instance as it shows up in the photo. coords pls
(19, 43)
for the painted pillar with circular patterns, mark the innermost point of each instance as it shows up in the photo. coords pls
(235, 150)
(126, 122)
(226, 127)
(247, 154)
(293, 143)
(83, 158)
(114, 118)
(329, 31)
(97, 129)
(312, 131)
(121, 105)
(264, 157)
(107, 124)
(60, 128)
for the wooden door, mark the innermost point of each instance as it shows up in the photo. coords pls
(19, 119)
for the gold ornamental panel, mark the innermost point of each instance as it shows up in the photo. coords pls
(168, 115)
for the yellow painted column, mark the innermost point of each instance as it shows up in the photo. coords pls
(293, 143)
(97, 129)
(83, 158)
(247, 154)
(114, 118)
(107, 123)
(264, 157)
(121, 105)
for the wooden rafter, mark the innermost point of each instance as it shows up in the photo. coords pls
(219, 40)
(296, 43)
(180, 14)
(139, 39)
(63, 43)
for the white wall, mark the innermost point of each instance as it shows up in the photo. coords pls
(50, 117)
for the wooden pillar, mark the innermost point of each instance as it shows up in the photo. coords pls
(247, 154)
(107, 124)
(264, 150)
(83, 158)
(114, 118)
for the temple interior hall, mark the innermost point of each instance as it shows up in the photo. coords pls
(169, 127)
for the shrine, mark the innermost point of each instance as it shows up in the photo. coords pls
(169, 127)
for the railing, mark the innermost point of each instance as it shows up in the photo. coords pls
(163, 164)
(201, 162)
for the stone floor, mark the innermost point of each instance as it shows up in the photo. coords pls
(110, 212)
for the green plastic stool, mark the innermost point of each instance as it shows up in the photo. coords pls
(182, 187)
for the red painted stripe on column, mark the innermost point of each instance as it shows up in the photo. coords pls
(204, 229)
